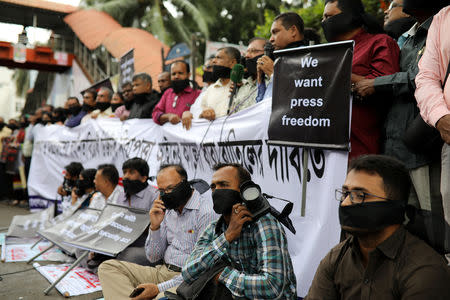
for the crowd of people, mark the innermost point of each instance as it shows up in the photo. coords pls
(400, 136)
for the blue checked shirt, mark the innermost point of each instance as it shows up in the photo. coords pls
(176, 237)
(260, 265)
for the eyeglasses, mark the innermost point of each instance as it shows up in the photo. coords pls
(356, 197)
(168, 189)
(394, 5)
(253, 51)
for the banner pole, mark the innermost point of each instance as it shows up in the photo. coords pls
(40, 253)
(76, 263)
(38, 241)
(305, 179)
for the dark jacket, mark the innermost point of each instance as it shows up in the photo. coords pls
(401, 87)
(143, 105)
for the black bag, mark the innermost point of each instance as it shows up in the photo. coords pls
(421, 137)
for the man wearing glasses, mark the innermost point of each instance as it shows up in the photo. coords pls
(177, 218)
(381, 260)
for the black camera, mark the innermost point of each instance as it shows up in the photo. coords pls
(258, 205)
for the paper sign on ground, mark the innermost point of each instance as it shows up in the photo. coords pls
(22, 252)
(79, 281)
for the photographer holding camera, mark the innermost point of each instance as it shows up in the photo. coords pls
(253, 251)
(72, 171)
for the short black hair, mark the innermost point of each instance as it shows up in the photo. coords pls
(110, 173)
(243, 174)
(91, 91)
(179, 168)
(143, 76)
(396, 179)
(311, 35)
(74, 98)
(74, 168)
(126, 83)
(232, 53)
(289, 19)
(257, 38)
(89, 176)
(137, 164)
(188, 68)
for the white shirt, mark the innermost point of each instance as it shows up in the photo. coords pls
(217, 97)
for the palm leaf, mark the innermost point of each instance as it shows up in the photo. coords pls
(195, 14)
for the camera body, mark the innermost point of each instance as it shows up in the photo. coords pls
(254, 200)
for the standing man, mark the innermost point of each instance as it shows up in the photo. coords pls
(145, 98)
(123, 111)
(103, 105)
(163, 82)
(76, 113)
(397, 23)
(287, 31)
(258, 262)
(215, 100)
(177, 219)
(381, 260)
(433, 99)
(177, 99)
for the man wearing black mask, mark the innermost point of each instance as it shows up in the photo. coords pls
(102, 105)
(138, 193)
(145, 98)
(71, 174)
(381, 260)
(396, 22)
(286, 32)
(163, 82)
(255, 251)
(75, 112)
(123, 111)
(177, 218)
(84, 190)
(216, 98)
(177, 99)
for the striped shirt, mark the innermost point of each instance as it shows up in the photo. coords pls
(260, 266)
(178, 233)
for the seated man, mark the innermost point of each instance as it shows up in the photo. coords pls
(71, 174)
(138, 193)
(107, 183)
(177, 219)
(85, 191)
(177, 99)
(123, 111)
(381, 260)
(145, 98)
(259, 248)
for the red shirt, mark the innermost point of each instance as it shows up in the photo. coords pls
(374, 55)
(183, 103)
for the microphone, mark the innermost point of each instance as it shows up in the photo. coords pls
(268, 50)
(237, 73)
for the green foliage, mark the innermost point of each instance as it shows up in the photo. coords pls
(21, 78)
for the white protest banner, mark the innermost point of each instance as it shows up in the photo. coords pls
(116, 229)
(241, 138)
(79, 281)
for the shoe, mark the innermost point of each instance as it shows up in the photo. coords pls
(14, 202)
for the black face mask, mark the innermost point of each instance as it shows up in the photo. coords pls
(141, 98)
(87, 107)
(2, 124)
(74, 110)
(65, 112)
(372, 216)
(179, 85)
(82, 186)
(132, 187)
(224, 199)
(23, 124)
(128, 104)
(178, 197)
(68, 184)
(339, 24)
(46, 122)
(397, 27)
(209, 77)
(250, 65)
(115, 106)
(58, 119)
(12, 126)
(221, 71)
(102, 105)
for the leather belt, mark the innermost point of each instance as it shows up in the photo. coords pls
(173, 268)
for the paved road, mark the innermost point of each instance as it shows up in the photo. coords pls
(27, 285)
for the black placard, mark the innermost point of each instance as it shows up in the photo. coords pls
(311, 96)
(126, 68)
